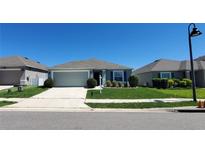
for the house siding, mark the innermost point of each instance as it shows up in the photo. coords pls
(145, 79)
(200, 78)
(34, 77)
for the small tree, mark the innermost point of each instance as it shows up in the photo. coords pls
(48, 83)
(133, 81)
(91, 83)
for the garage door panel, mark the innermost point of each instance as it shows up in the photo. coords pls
(10, 77)
(72, 79)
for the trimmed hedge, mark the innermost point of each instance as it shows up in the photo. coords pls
(114, 84)
(168, 83)
(133, 81)
(48, 83)
(160, 83)
(108, 83)
(91, 83)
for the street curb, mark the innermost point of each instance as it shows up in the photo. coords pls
(86, 110)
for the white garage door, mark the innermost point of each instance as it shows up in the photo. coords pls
(71, 79)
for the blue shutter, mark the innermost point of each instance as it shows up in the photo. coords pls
(111, 75)
(125, 76)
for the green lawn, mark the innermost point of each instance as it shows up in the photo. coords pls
(28, 91)
(4, 103)
(143, 93)
(139, 105)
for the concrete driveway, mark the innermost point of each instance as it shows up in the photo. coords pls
(63, 93)
(5, 87)
(71, 98)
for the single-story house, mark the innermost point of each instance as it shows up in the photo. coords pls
(76, 73)
(17, 70)
(164, 68)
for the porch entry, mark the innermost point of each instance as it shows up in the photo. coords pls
(96, 76)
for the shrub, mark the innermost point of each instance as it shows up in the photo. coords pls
(108, 83)
(160, 83)
(170, 83)
(48, 83)
(133, 81)
(114, 84)
(164, 83)
(120, 84)
(156, 82)
(91, 83)
(126, 84)
(176, 82)
(188, 82)
(182, 83)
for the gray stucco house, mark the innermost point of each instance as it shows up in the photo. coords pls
(76, 73)
(21, 70)
(164, 68)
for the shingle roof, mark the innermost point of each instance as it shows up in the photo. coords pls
(170, 65)
(89, 64)
(18, 61)
(202, 58)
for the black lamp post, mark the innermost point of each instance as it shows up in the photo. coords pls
(193, 33)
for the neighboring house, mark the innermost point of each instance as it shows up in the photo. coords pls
(76, 73)
(164, 68)
(21, 70)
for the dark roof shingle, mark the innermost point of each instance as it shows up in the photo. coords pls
(18, 61)
(170, 65)
(89, 64)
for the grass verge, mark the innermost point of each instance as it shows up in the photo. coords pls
(28, 91)
(140, 105)
(4, 103)
(143, 93)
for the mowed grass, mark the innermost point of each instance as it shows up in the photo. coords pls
(143, 93)
(4, 103)
(140, 105)
(28, 91)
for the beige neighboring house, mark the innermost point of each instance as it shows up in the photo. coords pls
(76, 73)
(17, 70)
(164, 68)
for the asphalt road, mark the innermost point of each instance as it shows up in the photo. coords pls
(10, 120)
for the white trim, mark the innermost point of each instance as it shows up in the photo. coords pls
(120, 72)
(170, 74)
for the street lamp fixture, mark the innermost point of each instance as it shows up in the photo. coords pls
(193, 33)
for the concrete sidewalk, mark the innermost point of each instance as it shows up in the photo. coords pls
(50, 103)
(137, 100)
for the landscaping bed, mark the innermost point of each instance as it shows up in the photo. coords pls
(4, 103)
(140, 105)
(28, 91)
(144, 93)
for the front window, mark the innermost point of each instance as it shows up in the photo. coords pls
(167, 75)
(118, 76)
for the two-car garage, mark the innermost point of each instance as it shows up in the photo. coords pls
(70, 78)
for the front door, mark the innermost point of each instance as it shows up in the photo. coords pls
(97, 77)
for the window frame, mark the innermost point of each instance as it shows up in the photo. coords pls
(170, 74)
(122, 73)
